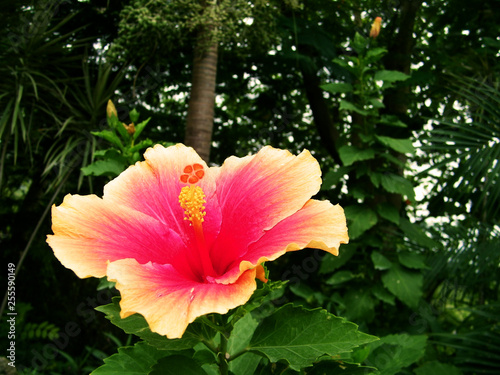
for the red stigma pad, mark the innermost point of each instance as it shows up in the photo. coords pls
(192, 173)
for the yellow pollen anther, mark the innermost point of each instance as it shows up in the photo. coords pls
(192, 200)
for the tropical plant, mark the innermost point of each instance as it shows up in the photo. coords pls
(52, 96)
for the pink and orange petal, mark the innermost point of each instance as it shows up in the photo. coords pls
(257, 192)
(168, 300)
(88, 233)
(326, 230)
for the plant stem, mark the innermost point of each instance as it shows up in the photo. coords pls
(211, 324)
(210, 346)
(223, 365)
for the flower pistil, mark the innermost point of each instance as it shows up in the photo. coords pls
(192, 200)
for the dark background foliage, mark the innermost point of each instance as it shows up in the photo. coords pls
(62, 60)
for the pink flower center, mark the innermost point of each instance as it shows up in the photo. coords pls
(192, 200)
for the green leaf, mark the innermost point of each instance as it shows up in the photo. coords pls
(388, 212)
(348, 106)
(396, 184)
(393, 159)
(395, 352)
(359, 43)
(359, 355)
(246, 364)
(211, 369)
(110, 137)
(120, 128)
(359, 305)
(375, 178)
(397, 144)
(361, 219)
(390, 76)
(241, 334)
(300, 336)
(142, 144)
(375, 54)
(351, 154)
(333, 177)
(337, 87)
(111, 167)
(175, 365)
(416, 234)
(203, 355)
(340, 277)
(330, 262)
(366, 138)
(340, 368)
(264, 294)
(359, 193)
(380, 262)
(392, 120)
(105, 284)
(435, 367)
(306, 292)
(406, 285)
(102, 153)
(377, 103)
(343, 62)
(134, 116)
(131, 360)
(114, 121)
(412, 260)
(137, 325)
(140, 127)
(382, 294)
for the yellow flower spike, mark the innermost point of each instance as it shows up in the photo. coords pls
(192, 200)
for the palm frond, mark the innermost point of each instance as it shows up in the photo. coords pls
(468, 152)
(32, 71)
(45, 105)
(475, 344)
(73, 145)
(465, 272)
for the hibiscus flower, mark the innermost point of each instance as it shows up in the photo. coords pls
(182, 240)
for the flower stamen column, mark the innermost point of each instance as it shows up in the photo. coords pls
(192, 200)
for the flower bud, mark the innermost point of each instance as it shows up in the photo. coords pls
(130, 128)
(375, 30)
(111, 109)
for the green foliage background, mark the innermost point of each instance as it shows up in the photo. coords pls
(406, 128)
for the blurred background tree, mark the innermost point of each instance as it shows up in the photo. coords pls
(405, 127)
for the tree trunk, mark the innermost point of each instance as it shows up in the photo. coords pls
(399, 57)
(200, 116)
(396, 100)
(327, 130)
